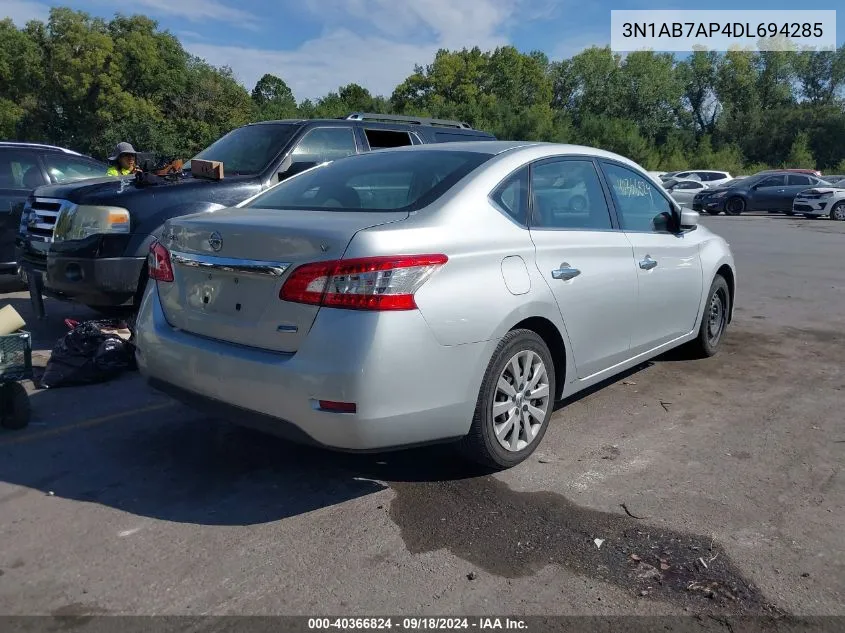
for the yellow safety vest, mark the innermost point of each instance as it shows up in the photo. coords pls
(114, 170)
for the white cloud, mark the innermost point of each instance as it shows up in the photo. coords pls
(376, 43)
(199, 11)
(22, 11)
(574, 45)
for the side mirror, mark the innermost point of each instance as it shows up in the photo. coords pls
(689, 219)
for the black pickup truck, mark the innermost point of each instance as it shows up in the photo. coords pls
(89, 240)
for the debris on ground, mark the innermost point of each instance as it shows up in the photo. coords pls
(629, 513)
(91, 352)
(805, 575)
(472, 575)
(598, 542)
(644, 571)
(665, 405)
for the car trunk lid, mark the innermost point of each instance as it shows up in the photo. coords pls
(229, 267)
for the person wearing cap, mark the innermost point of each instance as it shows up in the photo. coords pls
(123, 160)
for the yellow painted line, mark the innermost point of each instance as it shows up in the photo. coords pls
(84, 424)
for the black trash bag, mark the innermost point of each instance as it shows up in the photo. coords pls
(88, 355)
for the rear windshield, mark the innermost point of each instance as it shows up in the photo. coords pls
(379, 181)
(246, 151)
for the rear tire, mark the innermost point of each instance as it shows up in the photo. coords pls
(810, 216)
(14, 406)
(714, 320)
(734, 206)
(519, 384)
(789, 213)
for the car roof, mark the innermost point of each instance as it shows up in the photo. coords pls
(498, 147)
(40, 146)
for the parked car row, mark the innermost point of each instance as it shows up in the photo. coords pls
(773, 192)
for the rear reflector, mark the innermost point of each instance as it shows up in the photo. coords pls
(337, 407)
(369, 283)
(158, 263)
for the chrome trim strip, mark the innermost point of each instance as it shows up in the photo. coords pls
(228, 264)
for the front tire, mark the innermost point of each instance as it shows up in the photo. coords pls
(714, 321)
(837, 212)
(514, 404)
(735, 206)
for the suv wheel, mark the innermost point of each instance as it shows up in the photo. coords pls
(838, 211)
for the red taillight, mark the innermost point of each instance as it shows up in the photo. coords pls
(369, 283)
(337, 407)
(158, 263)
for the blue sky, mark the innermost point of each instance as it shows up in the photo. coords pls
(318, 45)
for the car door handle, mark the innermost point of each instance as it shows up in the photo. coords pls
(648, 263)
(565, 272)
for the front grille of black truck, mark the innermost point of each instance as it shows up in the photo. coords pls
(43, 214)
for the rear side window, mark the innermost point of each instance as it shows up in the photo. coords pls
(794, 179)
(381, 181)
(384, 139)
(567, 194)
(512, 196)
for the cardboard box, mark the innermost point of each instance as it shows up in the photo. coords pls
(211, 169)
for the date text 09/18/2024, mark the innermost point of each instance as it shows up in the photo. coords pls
(416, 624)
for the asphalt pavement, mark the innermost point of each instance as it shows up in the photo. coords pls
(712, 486)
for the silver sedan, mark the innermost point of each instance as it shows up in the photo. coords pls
(421, 294)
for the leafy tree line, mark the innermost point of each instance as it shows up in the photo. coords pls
(87, 83)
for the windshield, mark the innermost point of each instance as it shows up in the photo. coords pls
(379, 181)
(246, 151)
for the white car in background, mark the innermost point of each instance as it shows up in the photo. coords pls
(712, 178)
(683, 191)
(821, 201)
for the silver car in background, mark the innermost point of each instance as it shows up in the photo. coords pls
(430, 293)
(683, 191)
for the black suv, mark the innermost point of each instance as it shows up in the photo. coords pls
(24, 167)
(90, 240)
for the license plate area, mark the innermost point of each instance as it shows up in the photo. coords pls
(227, 294)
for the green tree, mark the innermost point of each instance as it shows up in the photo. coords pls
(800, 155)
(273, 99)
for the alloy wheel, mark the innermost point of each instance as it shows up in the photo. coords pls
(521, 401)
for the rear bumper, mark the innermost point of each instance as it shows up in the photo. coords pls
(408, 388)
